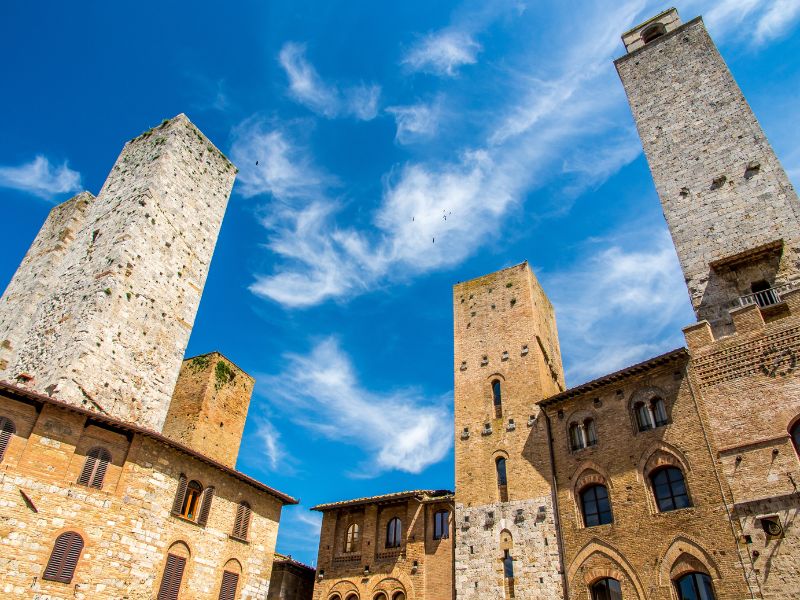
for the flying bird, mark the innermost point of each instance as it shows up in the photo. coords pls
(256, 163)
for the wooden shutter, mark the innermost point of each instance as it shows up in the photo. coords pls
(179, 495)
(94, 469)
(64, 558)
(242, 522)
(208, 496)
(7, 429)
(227, 590)
(173, 574)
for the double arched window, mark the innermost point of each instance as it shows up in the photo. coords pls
(352, 538)
(595, 506)
(502, 478)
(192, 501)
(695, 586)
(94, 469)
(497, 398)
(669, 489)
(64, 557)
(652, 414)
(7, 429)
(441, 525)
(606, 589)
(394, 533)
(582, 435)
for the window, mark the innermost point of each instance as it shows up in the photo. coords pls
(508, 565)
(669, 489)
(352, 538)
(399, 596)
(94, 469)
(502, 479)
(595, 506)
(64, 557)
(606, 589)
(695, 586)
(575, 437)
(590, 431)
(7, 429)
(795, 433)
(582, 435)
(192, 502)
(380, 596)
(497, 398)
(393, 533)
(642, 416)
(242, 522)
(659, 411)
(763, 294)
(441, 525)
(230, 581)
(171, 581)
(653, 32)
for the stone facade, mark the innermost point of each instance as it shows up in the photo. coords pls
(420, 568)
(100, 311)
(127, 525)
(291, 580)
(209, 407)
(730, 207)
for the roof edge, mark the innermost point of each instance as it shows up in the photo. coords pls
(436, 494)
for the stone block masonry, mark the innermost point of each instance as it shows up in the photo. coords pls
(118, 279)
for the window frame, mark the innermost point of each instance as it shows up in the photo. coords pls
(64, 557)
(394, 533)
(352, 538)
(502, 477)
(497, 398)
(192, 499)
(595, 590)
(592, 488)
(669, 483)
(694, 576)
(441, 524)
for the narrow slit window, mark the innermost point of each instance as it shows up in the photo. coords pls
(441, 525)
(502, 479)
(497, 398)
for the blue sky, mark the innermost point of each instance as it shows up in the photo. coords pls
(370, 122)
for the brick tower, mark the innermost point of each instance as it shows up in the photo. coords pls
(100, 310)
(507, 358)
(731, 210)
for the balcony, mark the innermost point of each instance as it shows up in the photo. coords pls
(766, 298)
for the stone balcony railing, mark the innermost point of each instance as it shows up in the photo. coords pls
(768, 297)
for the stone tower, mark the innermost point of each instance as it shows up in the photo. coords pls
(507, 358)
(209, 407)
(100, 310)
(731, 210)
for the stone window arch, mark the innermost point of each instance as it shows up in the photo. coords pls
(653, 32)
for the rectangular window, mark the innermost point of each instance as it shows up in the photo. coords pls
(441, 525)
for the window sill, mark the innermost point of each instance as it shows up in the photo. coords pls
(185, 520)
(238, 539)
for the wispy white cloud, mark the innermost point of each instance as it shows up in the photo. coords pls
(40, 178)
(398, 430)
(271, 447)
(329, 100)
(623, 288)
(761, 21)
(442, 52)
(416, 122)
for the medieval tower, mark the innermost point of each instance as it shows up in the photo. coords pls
(506, 358)
(731, 210)
(100, 310)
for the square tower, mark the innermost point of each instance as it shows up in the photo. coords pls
(731, 211)
(507, 358)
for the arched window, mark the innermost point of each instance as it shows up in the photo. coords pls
(669, 489)
(191, 501)
(94, 469)
(64, 557)
(642, 416)
(230, 581)
(441, 525)
(352, 597)
(653, 32)
(590, 432)
(508, 565)
(352, 538)
(659, 411)
(380, 596)
(576, 441)
(394, 533)
(335, 597)
(606, 589)
(399, 596)
(241, 524)
(502, 478)
(795, 433)
(695, 586)
(7, 429)
(170, 586)
(497, 398)
(595, 506)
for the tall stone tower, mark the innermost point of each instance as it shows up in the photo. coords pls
(731, 210)
(507, 358)
(100, 310)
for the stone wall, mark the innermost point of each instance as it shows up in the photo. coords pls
(110, 331)
(291, 580)
(721, 186)
(209, 407)
(127, 525)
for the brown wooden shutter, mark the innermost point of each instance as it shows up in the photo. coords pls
(94, 469)
(7, 429)
(208, 496)
(64, 558)
(173, 574)
(242, 522)
(179, 495)
(227, 590)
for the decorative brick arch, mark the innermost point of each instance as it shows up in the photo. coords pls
(586, 473)
(618, 566)
(343, 588)
(685, 555)
(661, 454)
(391, 585)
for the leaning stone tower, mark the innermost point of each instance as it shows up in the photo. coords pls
(731, 210)
(100, 310)
(507, 358)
